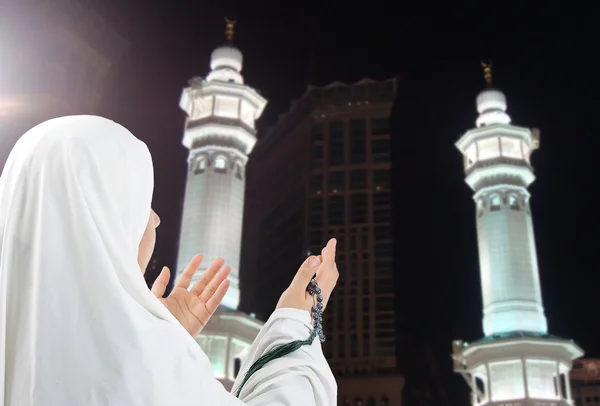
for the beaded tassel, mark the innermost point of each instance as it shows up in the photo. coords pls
(314, 290)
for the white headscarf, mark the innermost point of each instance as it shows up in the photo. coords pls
(78, 325)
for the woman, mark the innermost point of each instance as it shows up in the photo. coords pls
(78, 326)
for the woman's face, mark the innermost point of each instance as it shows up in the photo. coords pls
(148, 240)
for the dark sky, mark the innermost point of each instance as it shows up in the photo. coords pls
(541, 61)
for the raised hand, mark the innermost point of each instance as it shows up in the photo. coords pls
(193, 308)
(295, 296)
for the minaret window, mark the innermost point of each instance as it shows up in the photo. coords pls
(220, 164)
(488, 148)
(513, 202)
(198, 165)
(226, 106)
(202, 107)
(247, 113)
(511, 148)
(495, 203)
(470, 156)
(239, 171)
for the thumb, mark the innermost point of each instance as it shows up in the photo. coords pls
(306, 272)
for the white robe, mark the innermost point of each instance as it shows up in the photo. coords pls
(78, 326)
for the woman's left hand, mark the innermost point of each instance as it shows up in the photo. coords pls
(193, 308)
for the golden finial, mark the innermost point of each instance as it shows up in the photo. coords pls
(230, 25)
(487, 73)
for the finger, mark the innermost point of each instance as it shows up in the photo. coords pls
(207, 276)
(328, 252)
(188, 273)
(327, 274)
(217, 297)
(306, 272)
(214, 283)
(160, 283)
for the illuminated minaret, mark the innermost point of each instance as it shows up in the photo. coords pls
(517, 363)
(220, 133)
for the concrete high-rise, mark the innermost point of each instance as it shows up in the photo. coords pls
(323, 171)
(517, 362)
(219, 133)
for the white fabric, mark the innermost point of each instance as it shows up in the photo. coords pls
(78, 326)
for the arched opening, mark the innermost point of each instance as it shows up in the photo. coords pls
(385, 401)
(513, 202)
(199, 165)
(371, 401)
(220, 163)
(358, 402)
(239, 170)
(495, 203)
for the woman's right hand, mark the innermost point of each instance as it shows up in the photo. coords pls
(296, 296)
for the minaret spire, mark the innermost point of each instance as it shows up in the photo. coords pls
(229, 29)
(487, 73)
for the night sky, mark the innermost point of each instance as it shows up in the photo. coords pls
(542, 61)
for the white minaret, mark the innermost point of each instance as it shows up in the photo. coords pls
(219, 133)
(517, 363)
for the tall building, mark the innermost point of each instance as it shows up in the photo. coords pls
(219, 133)
(324, 171)
(58, 56)
(517, 361)
(585, 382)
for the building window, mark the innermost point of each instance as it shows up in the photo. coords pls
(358, 208)
(371, 401)
(513, 202)
(316, 133)
(495, 203)
(316, 183)
(336, 181)
(380, 126)
(220, 164)
(381, 179)
(382, 215)
(384, 286)
(335, 210)
(380, 150)
(358, 179)
(316, 155)
(316, 215)
(383, 267)
(382, 233)
(336, 143)
(383, 249)
(342, 339)
(385, 401)
(353, 342)
(358, 139)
